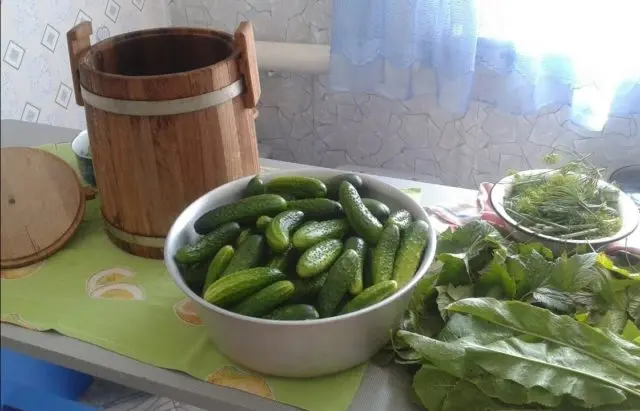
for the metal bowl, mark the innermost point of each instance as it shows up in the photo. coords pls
(297, 348)
(626, 208)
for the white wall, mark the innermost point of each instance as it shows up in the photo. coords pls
(36, 79)
(301, 120)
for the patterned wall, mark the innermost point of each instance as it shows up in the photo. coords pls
(36, 79)
(302, 120)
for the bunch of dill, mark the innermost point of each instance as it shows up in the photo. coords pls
(566, 202)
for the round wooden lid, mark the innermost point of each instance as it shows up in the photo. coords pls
(42, 205)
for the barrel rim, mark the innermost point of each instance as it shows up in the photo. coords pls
(112, 41)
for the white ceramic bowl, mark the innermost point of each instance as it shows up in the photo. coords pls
(297, 348)
(626, 207)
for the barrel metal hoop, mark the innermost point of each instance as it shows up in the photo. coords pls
(166, 107)
(136, 239)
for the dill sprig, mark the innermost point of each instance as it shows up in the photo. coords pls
(565, 202)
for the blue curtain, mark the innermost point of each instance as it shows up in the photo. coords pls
(519, 55)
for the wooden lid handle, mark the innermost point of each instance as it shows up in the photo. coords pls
(248, 63)
(78, 41)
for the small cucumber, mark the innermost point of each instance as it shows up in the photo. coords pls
(194, 275)
(297, 186)
(318, 258)
(242, 237)
(278, 231)
(384, 254)
(333, 185)
(359, 217)
(248, 255)
(414, 241)
(294, 312)
(335, 287)
(242, 211)
(306, 289)
(312, 234)
(230, 289)
(255, 187)
(265, 300)
(207, 246)
(262, 222)
(284, 261)
(368, 262)
(360, 247)
(402, 218)
(370, 296)
(317, 208)
(218, 264)
(379, 209)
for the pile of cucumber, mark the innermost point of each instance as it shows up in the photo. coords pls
(296, 248)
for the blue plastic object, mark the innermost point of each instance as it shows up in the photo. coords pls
(33, 385)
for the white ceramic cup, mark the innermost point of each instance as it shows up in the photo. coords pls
(82, 151)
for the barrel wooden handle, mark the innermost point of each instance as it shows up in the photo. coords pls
(248, 63)
(78, 41)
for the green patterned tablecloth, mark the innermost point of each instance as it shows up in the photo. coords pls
(94, 292)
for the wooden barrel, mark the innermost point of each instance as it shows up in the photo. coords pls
(170, 115)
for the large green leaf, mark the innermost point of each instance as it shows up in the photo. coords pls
(511, 392)
(448, 294)
(531, 271)
(556, 369)
(631, 332)
(604, 261)
(526, 248)
(439, 391)
(538, 322)
(469, 239)
(573, 273)
(564, 302)
(633, 303)
(455, 270)
(495, 279)
(466, 326)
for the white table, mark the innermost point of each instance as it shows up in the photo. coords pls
(381, 389)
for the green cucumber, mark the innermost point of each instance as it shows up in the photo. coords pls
(379, 209)
(294, 312)
(278, 231)
(338, 280)
(319, 208)
(318, 258)
(263, 222)
(195, 275)
(248, 255)
(230, 289)
(297, 186)
(218, 264)
(284, 261)
(384, 254)
(265, 300)
(359, 245)
(242, 211)
(333, 185)
(360, 218)
(414, 241)
(207, 246)
(306, 289)
(368, 262)
(242, 237)
(255, 187)
(402, 218)
(371, 296)
(312, 234)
